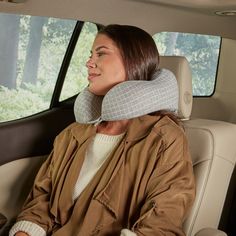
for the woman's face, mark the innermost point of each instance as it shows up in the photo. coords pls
(105, 66)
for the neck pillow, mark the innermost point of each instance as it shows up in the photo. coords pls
(129, 99)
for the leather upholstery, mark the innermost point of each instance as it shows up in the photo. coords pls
(210, 232)
(180, 67)
(16, 180)
(213, 151)
(212, 146)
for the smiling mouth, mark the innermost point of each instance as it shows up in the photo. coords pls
(92, 76)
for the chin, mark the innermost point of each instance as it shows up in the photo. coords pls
(96, 91)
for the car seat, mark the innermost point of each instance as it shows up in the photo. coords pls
(213, 151)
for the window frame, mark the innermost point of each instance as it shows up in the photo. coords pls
(65, 64)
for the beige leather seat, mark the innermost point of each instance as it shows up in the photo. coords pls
(213, 151)
(16, 180)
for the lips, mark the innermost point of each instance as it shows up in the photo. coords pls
(93, 76)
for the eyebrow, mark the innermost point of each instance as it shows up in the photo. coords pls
(99, 48)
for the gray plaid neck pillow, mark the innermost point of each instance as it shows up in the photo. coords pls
(129, 99)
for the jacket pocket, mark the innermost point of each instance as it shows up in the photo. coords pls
(145, 215)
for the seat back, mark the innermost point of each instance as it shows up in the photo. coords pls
(16, 180)
(212, 150)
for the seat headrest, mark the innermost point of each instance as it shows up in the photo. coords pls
(181, 69)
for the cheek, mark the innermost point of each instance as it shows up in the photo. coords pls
(112, 73)
(111, 78)
(117, 72)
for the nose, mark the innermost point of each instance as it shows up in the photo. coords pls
(91, 63)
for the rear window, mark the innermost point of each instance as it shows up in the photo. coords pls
(202, 52)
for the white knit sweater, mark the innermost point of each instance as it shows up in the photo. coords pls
(98, 151)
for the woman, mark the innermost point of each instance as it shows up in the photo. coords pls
(121, 169)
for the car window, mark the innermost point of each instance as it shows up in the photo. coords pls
(31, 52)
(202, 52)
(76, 77)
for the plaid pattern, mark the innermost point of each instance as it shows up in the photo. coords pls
(87, 107)
(129, 99)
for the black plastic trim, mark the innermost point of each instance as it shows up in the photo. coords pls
(33, 135)
(65, 64)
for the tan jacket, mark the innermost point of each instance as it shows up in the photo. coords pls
(145, 185)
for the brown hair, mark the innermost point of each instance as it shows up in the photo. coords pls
(138, 50)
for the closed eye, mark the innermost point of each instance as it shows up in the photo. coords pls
(100, 53)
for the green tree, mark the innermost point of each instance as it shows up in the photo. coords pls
(31, 64)
(202, 54)
(170, 43)
(200, 50)
(9, 39)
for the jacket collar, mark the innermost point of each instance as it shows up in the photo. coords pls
(138, 128)
(82, 132)
(141, 127)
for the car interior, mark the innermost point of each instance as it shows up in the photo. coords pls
(196, 41)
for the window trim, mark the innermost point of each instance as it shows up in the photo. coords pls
(65, 65)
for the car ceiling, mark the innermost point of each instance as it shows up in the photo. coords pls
(196, 16)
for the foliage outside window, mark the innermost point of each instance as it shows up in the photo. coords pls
(76, 77)
(202, 52)
(31, 53)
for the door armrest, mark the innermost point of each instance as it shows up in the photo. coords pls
(3, 220)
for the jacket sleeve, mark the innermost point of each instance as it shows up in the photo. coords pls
(36, 207)
(170, 192)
